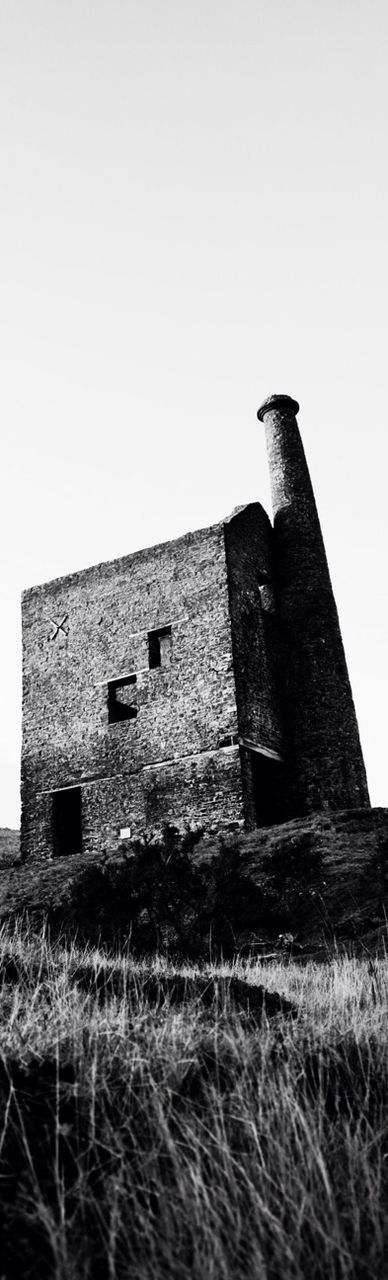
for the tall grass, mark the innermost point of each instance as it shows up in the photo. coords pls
(142, 1138)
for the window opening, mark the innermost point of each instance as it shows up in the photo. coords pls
(67, 821)
(121, 694)
(229, 740)
(159, 647)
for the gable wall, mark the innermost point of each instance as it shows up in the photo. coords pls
(183, 709)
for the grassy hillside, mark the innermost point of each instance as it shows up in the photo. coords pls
(9, 846)
(309, 881)
(154, 1124)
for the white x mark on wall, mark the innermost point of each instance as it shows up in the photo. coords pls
(59, 626)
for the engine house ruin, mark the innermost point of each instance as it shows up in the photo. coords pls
(201, 682)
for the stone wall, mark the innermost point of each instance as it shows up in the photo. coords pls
(176, 759)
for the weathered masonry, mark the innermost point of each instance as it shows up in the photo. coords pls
(201, 682)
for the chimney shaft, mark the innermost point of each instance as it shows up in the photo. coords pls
(324, 764)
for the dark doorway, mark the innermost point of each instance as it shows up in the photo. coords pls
(267, 789)
(67, 822)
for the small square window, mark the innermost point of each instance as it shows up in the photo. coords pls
(121, 695)
(159, 648)
(229, 740)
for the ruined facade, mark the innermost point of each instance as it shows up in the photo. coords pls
(201, 682)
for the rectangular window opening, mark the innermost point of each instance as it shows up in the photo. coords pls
(159, 648)
(121, 694)
(229, 740)
(67, 822)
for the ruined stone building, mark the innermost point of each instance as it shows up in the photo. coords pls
(201, 682)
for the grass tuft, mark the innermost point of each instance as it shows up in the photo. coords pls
(183, 1122)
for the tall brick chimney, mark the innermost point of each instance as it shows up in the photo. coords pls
(324, 766)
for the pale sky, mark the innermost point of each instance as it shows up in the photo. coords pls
(193, 213)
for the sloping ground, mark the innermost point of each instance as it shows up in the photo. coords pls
(9, 845)
(350, 892)
(36, 886)
(315, 880)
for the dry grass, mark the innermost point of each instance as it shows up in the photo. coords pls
(142, 1139)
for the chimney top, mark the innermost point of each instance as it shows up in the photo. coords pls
(283, 404)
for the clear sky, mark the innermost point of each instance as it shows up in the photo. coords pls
(194, 213)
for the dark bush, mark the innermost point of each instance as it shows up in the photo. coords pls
(160, 896)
